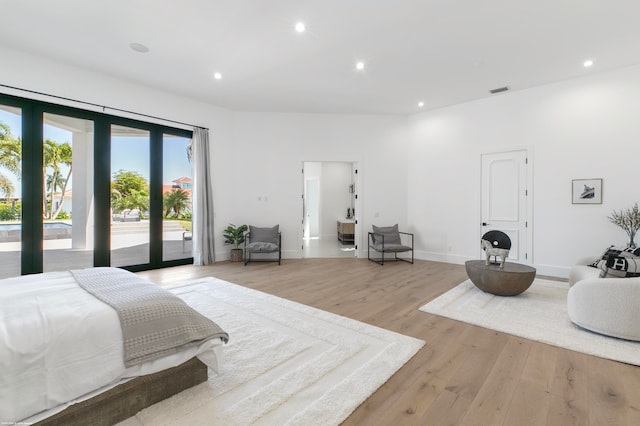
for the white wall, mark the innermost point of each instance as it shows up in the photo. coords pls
(42, 75)
(424, 175)
(581, 128)
(273, 146)
(253, 154)
(334, 196)
(312, 176)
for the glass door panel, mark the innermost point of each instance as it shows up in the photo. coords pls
(130, 177)
(10, 190)
(67, 153)
(177, 186)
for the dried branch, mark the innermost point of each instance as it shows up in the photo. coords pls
(629, 219)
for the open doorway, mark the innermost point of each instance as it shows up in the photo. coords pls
(329, 209)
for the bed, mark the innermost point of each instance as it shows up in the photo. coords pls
(78, 339)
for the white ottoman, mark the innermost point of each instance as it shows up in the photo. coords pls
(609, 306)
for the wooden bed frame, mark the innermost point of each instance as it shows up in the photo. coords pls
(125, 400)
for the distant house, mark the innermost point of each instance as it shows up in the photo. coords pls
(184, 183)
(66, 206)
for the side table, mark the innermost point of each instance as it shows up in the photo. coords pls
(511, 280)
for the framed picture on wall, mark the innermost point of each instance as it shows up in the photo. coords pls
(586, 191)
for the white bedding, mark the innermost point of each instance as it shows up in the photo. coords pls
(59, 344)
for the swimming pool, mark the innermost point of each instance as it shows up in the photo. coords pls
(10, 232)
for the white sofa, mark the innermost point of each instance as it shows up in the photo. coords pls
(609, 306)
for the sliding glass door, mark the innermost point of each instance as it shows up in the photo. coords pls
(177, 187)
(80, 189)
(67, 208)
(130, 208)
(10, 190)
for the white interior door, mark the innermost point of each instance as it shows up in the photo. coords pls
(505, 205)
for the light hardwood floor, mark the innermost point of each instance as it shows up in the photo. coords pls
(464, 374)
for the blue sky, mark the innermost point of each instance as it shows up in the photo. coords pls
(132, 153)
(127, 153)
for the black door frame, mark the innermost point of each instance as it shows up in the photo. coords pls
(32, 182)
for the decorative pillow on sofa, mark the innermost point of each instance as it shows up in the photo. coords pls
(268, 235)
(390, 233)
(619, 262)
(609, 251)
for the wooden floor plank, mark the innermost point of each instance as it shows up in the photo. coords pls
(535, 385)
(426, 386)
(632, 390)
(608, 400)
(464, 374)
(454, 401)
(491, 404)
(569, 402)
(417, 372)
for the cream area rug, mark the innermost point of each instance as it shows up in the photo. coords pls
(285, 363)
(540, 313)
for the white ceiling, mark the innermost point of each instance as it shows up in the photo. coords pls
(441, 52)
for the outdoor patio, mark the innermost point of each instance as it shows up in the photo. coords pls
(129, 246)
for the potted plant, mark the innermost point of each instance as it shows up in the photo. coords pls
(235, 235)
(629, 220)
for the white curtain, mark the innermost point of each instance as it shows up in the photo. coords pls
(203, 238)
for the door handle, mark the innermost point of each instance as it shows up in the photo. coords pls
(485, 224)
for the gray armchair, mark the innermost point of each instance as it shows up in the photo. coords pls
(387, 239)
(263, 241)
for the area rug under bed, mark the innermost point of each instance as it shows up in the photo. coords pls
(540, 314)
(285, 363)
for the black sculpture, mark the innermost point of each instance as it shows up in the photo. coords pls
(496, 244)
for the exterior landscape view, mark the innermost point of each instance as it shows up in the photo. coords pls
(68, 201)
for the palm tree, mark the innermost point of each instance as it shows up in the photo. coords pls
(10, 156)
(66, 158)
(177, 200)
(54, 155)
(133, 200)
(6, 186)
(190, 151)
(129, 190)
(49, 160)
(52, 187)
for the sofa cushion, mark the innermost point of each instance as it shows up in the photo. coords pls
(619, 262)
(582, 272)
(390, 233)
(262, 246)
(607, 306)
(391, 248)
(269, 235)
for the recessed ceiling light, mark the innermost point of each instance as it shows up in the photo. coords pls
(588, 63)
(420, 104)
(139, 47)
(300, 27)
(360, 65)
(217, 76)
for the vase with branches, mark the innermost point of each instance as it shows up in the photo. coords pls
(629, 221)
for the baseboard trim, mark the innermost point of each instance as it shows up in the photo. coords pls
(550, 270)
(442, 257)
(286, 254)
